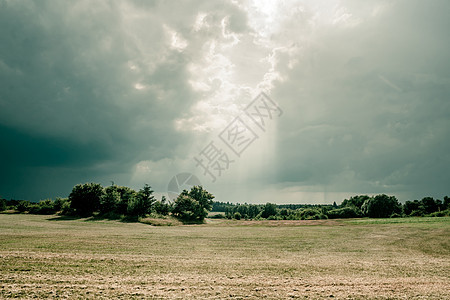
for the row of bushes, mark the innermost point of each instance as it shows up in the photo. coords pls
(379, 206)
(119, 202)
(114, 201)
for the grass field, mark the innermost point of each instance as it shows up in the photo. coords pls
(54, 257)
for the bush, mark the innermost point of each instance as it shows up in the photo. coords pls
(311, 214)
(58, 203)
(23, 206)
(45, 207)
(162, 207)
(416, 213)
(85, 198)
(109, 200)
(269, 210)
(411, 206)
(345, 212)
(2, 204)
(66, 209)
(443, 213)
(126, 196)
(237, 216)
(381, 206)
(193, 205)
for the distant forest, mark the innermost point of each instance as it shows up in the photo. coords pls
(379, 206)
(121, 202)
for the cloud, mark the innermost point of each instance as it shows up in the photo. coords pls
(131, 91)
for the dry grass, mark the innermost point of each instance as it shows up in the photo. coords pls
(65, 258)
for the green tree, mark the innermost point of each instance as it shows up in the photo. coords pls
(46, 207)
(411, 206)
(109, 200)
(127, 195)
(23, 206)
(85, 198)
(142, 203)
(429, 205)
(193, 205)
(162, 207)
(381, 206)
(269, 209)
(344, 212)
(446, 203)
(58, 203)
(356, 201)
(2, 204)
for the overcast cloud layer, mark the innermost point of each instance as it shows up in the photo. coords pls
(132, 91)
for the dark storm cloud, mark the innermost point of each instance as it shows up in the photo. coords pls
(67, 97)
(125, 90)
(372, 105)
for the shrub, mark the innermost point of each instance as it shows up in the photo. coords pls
(162, 207)
(411, 206)
(109, 200)
(416, 213)
(45, 207)
(23, 206)
(85, 198)
(345, 212)
(58, 203)
(381, 206)
(2, 204)
(237, 216)
(269, 209)
(311, 214)
(66, 209)
(193, 205)
(443, 213)
(355, 201)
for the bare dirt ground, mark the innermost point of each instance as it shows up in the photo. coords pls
(51, 257)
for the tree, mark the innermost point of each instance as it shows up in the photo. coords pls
(85, 198)
(109, 200)
(429, 205)
(193, 205)
(446, 203)
(2, 204)
(411, 206)
(127, 195)
(381, 206)
(344, 212)
(162, 207)
(23, 206)
(269, 209)
(142, 203)
(356, 201)
(58, 203)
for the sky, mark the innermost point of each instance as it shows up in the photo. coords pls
(259, 101)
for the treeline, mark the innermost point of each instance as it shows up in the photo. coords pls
(379, 206)
(122, 202)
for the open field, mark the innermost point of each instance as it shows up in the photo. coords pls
(53, 257)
